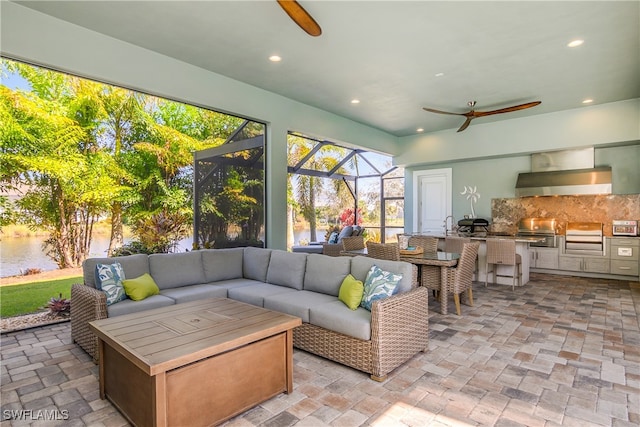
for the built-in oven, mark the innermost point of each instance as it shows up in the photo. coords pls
(624, 228)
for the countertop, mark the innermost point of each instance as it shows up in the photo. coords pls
(484, 236)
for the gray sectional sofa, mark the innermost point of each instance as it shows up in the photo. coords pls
(299, 284)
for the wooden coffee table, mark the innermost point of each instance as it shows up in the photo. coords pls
(197, 363)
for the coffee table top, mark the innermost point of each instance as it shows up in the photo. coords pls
(166, 338)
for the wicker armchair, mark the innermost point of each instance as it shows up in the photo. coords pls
(503, 252)
(427, 243)
(460, 278)
(389, 251)
(353, 243)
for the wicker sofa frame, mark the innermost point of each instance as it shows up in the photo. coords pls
(399, 330)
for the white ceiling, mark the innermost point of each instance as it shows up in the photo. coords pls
(387, 53)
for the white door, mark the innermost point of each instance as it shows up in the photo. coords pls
(432, 200)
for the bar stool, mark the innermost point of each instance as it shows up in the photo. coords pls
(503, 252)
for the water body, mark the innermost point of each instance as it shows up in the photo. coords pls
(18, 254)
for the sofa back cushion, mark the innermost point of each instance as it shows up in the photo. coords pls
(287, 269)
(133, 266)
(325, 273)
(255, 263)
(360, 266)
(222, 264)
(174, 270)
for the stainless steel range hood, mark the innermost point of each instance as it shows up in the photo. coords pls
(569, 172)
(567, 182)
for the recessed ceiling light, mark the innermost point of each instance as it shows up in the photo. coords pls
(355, 101)
(587, 101)
(419, 130)
(275, 58)
(439, 74)
(575, 43)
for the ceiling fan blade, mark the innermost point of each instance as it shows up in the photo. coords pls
(300, 17)
(507, 110)
(466, 123)
(431, 110)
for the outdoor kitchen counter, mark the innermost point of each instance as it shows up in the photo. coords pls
(522, 248)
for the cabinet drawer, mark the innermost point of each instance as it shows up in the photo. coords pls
(624, 253)
(626, 268)
(624, 241)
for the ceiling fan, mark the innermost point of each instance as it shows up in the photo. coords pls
(472, 114)
(300, 17)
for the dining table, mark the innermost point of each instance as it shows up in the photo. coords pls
(433, 269)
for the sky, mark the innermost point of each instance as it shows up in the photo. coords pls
(14, 81)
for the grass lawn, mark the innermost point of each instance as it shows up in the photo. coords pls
(32, 297)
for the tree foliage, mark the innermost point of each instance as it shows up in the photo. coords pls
(85, 150)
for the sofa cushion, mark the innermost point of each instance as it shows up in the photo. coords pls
(194, 293)
(360, 266)
(337, 317)
(255, 294)
(255, 263)
(140, 287)
(296, 303)
(133, 266)
(345, 232)
(130, 306)
(287, 269)
(233, 283)
(222, 264)
(325, 273)
(176, 270)
(351, 292)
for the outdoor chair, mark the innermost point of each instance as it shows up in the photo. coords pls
(455, 244)
(460, 278)
(353, 243)
(388, 251)
(427, 243)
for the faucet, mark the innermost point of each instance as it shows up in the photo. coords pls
(446, 230)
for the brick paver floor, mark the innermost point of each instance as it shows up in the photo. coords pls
(558, 351)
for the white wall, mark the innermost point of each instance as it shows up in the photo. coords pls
(39, 39)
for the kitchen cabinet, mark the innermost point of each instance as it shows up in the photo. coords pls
(625, 255)
(586, 264)
(546, 258)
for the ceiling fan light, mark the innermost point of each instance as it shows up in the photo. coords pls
(275, 58)
(575, 43)
(355, 101)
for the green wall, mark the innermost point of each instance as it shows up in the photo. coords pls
(496, 178)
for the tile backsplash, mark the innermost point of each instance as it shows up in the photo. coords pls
(599, 208)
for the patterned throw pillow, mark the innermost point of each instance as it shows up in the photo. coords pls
(379, 284)
(109, 278)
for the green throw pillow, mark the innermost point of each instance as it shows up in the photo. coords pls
(141, 287)
(351, 292)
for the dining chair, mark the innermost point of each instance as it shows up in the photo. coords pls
(460, 278)
(503, 252)
(389, 251)
(353, 243)
(427, 243)
(454, 244)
